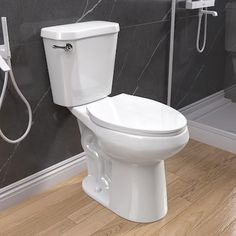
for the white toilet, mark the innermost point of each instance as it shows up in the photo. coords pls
(125, 138)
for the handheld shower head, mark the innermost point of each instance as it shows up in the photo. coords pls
(6, 45)
(5, 52)
(3, 65)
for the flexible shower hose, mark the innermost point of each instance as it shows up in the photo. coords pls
(6, 78)
(199, 48)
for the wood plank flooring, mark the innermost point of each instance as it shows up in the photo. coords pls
(201, 182)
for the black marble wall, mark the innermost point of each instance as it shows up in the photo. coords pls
(141, 69)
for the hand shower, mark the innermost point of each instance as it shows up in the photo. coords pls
(5, 66)
(202, 5)
(203, 12)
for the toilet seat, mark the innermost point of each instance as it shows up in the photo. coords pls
(129, 114)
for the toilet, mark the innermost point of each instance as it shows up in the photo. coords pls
(126, 139)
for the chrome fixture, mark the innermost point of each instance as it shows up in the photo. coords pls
(207, 12)
(203, 12)
(202, 5)
(5, 52)
(68, 47)
(198, 4)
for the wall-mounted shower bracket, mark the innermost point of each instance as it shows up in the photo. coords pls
(191, 4)
(5, 52)
(3, 65)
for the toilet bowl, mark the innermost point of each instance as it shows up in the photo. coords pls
(126, 156)
(125, 138)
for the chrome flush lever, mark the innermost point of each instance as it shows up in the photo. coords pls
(67, 48)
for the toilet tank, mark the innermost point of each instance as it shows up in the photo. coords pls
(230, 27)
(80, 59)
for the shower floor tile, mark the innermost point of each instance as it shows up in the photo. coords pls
(223, 118)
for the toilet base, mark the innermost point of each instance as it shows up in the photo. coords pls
(98, 193)
(136, 193)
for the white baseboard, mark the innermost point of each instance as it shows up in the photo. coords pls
(41, 181)
(205, 133)
(211, 136)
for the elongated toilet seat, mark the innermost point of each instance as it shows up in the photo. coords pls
(136, 115)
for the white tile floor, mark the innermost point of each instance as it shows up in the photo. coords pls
(213, 121)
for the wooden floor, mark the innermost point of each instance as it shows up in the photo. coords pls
(201, 196)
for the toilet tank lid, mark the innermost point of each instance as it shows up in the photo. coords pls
(79, 30)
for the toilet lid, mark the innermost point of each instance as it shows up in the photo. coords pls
(136, 115)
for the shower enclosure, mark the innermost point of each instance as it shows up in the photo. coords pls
(204, 85)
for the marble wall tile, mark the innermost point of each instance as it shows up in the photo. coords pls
(230, 72)
(141, 69)
(129, 13)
